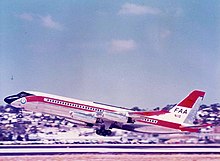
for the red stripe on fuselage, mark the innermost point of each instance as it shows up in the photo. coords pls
(41, 99)
(168, 124)
(162, 123)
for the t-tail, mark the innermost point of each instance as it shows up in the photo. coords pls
(185, 111)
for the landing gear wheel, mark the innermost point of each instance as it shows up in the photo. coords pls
(98, 132)
(103, 132)
(108, 132)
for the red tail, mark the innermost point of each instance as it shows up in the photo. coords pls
(190, 100)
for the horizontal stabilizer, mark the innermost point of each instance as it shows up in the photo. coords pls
(148, 113)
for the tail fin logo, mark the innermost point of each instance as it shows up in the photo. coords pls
(183, 111)
(180, 110)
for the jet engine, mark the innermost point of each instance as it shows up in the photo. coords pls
(88, 118)
(115, 117)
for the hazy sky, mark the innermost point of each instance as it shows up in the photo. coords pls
(142, 53)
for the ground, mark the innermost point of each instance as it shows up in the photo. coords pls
(112, 157)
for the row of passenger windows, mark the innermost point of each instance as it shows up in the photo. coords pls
(150, 120)
(73, 105)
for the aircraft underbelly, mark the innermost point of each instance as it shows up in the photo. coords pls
(156, 129)
(48, 108)
(53, 110)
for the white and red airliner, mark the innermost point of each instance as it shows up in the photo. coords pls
(104, 117)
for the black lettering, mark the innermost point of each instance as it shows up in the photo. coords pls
(180, 111)
(176, 109)
(185, 112)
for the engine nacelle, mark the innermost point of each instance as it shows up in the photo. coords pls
(88, 118)
(115, 117)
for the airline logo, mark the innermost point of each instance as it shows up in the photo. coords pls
(23, 100)
(180, 110)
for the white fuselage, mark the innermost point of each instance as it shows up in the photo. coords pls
(87, 112)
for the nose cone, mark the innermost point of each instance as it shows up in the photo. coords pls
(11, 99)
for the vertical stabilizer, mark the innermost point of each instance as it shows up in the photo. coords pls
(184, 109)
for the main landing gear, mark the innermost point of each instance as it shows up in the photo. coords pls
(103, 132)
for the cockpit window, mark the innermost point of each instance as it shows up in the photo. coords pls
(24, 94)
(12, 98)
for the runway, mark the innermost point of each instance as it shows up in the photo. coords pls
(9, 150)
(113, 157)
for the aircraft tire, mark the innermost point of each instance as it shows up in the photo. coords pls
(108, 132)
(104, 133)
(98, 132)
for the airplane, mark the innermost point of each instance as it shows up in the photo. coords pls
(104, 117)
